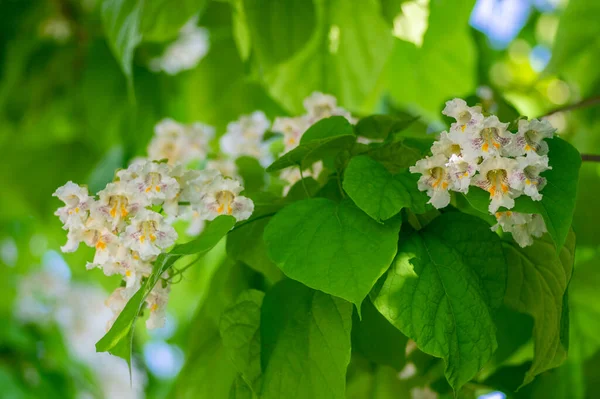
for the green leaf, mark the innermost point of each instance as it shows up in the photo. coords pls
(344, 56)
(240, 332)
(162, 21)
(119, 339)
(396, 156)
(122, 26)
(318, 149)
(241, 390)
(335, 248)
(252, 173)
(381, 126)
(327, 128)
(246, 244)
(379, 193)
(537, 282)
(577, 47)
(305, 337)
(377, 339)
(441, 289)
(427, 75)
(278, 28)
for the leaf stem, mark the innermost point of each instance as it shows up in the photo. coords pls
(590, 157)
(303, 183)
(266, 215)
(179, 271)
(588, 102)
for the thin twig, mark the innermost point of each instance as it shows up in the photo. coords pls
(590, 157)
(266, 215)
(588, 102)
(303, 183)
(179, 271)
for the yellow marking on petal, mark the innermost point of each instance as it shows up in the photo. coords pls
(113, 212)
(528, 182)
(142, 238)
(152, 237)
(148, 189)
(128, 273)
(493, 191)
(220, 209)
(485, 147)
(496, 145)
(463, 127)
(504, 188)
(445, 185)
(136, 257)
(466, 174)
(77, 210)
(101, 245)
(527, 147)
(123, 211)
(498, 214)
(153, 307)
(157, 188)
(508, 213)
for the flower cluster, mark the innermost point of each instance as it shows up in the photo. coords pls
(179, 143)
(129, 223)
(246, 137)
(480, 151)
(318, 106)
(185, 52)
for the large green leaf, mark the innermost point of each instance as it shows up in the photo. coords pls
(428, 75)
(379, 193)
(119, 339)
(278, 29)
(441, 289)
(332, 247)
(122, 26)
(305, 337)
(344, 56)
(537, 283)
(327, 128)
(381, 126)
(397, 155)
(240, 332)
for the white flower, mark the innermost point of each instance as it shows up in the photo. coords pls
(155, 183)
(527, 175)
(488, 141)
(222, 198)
(423, 393)
(530, 137)
(185, 52)
(92, 229)
(435, 180)
(179, 143)
(118, 201)
(116, 302)
(468, 119)
(194, 184)
(446, 146)
(494, 176)
(292, 130)
(157, 303)
(319, 106)
(77, 204)
(245, 137)
(148, 234)
(227, 167)
(293, 175)
(197, 221)
(199, 136)
(133, 171)
(461, 171)
(522, 226)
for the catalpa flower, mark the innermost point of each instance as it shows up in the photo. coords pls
(527, 175)
(118, 201)
(149, 234)
(245, 137)
(446, 146)
(494, 176)
(292, 130)
(530, 137)
(435, 180)
(468, 119)
(488, 141)
(157, 303)
(460, 171)
(168, 142)
(319, 106)
(522, 226)
(222, 198)
(293, 175)
(155, 183)
(77, 204)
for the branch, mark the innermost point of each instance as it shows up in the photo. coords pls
(590, 158)
(588, 102)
